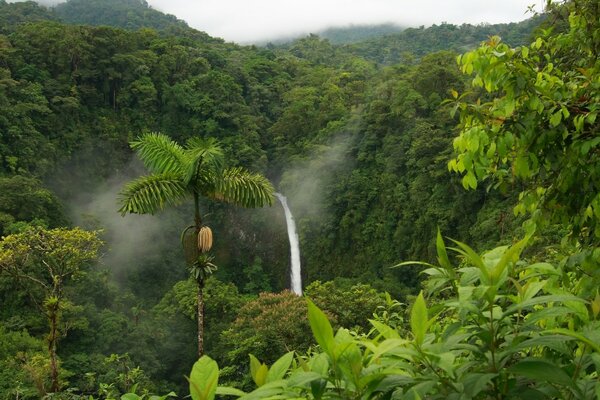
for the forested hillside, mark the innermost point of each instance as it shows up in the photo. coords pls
(126, 14)
(358, 137)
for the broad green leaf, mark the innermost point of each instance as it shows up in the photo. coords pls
(541, 300)
(280, 367)
(229, 391)
(386, 331)
(130, 396)
(441, 252)
(386, 346)
(320, 364)
(579, 336)
(541, 341)
(510, 256)
(204, 379)
(321, 328)
(556, 118)
(254, 366)
(474, 259)
(541, 370)
(303, 379)
(266, 391)
(419, 319)
(474, 383)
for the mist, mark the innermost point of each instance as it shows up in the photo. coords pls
(258, 21)
(308, 182)
(131, 239)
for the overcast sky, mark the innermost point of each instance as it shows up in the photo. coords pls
(248, 21)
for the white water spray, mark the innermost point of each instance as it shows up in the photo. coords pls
(294, 246)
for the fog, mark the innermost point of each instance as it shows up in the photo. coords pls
(261, 20)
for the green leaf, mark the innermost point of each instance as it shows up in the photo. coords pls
(474, 383)
(556, 118)
(579, 336)
(159, 153)
(386, 331)
(229, 391)
(321, 328)
(258, 371)
(130, 396)
(510, 256)
(204, 379)
(419, 319)
(280, 367)
(474, 259)
(441, 252)
(540, 370)
(541, 300)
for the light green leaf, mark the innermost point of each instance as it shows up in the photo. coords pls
(204, 379)
(229, 391)
(510, 256)
(541, 300)
(280, 367)
(441, 252)
(258, 371)
(385, 331)
(556, 118)
(419, 319)
(579, 336)
(321, 328)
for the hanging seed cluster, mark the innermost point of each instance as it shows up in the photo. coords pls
(205, 239)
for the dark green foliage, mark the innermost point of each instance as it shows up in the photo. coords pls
(16, 13)
(351, 306)
(126, 14)
(358, 33)
(25, 201)
(397, 47)
(359, 149)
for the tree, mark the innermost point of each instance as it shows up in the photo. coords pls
(44, 261)
(533, 120)
(194, 170)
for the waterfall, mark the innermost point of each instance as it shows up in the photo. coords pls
(295, 276)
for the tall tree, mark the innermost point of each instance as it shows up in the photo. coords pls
(43, 262)
(179, 173)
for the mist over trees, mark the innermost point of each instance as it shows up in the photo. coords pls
(374, 143)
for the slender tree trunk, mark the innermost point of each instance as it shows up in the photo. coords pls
(52, 339)
(200, 319)
(200, 305)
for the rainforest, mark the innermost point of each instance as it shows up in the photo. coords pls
(442, 180)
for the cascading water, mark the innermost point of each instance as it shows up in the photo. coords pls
(295, 276)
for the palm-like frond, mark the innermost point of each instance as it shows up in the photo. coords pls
(202, 156)
(151, 193)
(159, 153)
(243, 188)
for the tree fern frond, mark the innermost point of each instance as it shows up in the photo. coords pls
(152, 193)
(159, 153)
(202, 156)
(244, 188)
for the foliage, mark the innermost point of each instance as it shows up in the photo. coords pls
(272, 324)
(44, 262)
(502, 327)
(350, 306)
(536, 122)
(24, 200)
(359, 149)
(405, 45)
(126, 14)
